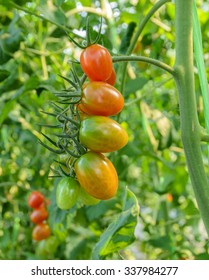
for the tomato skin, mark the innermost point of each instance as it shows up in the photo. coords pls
(96, 62)
(35, 199)
(101, 99)
(39, 215)
(112, 79)
(41, 231)
(102, 134)
(67, 193)
(97, 175)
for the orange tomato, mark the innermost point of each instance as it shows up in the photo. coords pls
(97, 175)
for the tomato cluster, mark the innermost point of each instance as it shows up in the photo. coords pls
(98, 132)
(39, 215)
(88, 130)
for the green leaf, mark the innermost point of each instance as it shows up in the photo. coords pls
(134, 85)
(56, 16)
(59, 2)
(119, 233)
(4, 74)
(162, 242)
(100, 209)
(31, 84)
(6, 109)
(10, 82)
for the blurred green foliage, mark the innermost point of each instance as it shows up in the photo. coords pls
(33, 51)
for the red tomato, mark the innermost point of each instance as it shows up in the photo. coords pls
(39, 215)
(112, 79)
(102, 134)
(41, 231)
(96, 62)
(97, 175)
(35, 199)
(101, 99)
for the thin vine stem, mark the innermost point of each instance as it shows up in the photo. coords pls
(190, 127)
(149, 60)
(139, 30)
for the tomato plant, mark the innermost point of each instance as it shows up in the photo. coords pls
(102, 99)
(39, 215)
(97, 175)
(41, 231)
(96, 62)
(67, 193)
(35, 199)
(102, 134)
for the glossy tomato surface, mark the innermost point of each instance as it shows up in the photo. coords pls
(35, 199)
(97, 175)
(67, 193)
(39, 215)
(41, 231)
(102, 134)
(96, 62)
(101, 99)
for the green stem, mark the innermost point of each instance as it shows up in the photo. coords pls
(205, 137)
(149, 60)
(140, 28)
(190, 128)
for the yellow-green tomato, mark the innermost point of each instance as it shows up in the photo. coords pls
(86, 198)
(67, 193)
(102, 134)
(97, 175)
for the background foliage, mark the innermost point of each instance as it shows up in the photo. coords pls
(33, 51)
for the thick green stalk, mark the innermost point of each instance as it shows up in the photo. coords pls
(190, 128)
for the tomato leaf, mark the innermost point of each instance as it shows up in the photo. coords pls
(119, 233)
(4, 74)
(134, 85)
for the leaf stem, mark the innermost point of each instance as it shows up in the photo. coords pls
(149, 60)
(205, 137)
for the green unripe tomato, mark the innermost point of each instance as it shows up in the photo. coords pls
(51, 244)
(86, 198)
(67, 193)
(46, 248)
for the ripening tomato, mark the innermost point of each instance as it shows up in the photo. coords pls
(86, 198)
(67, 193)
(97, 175)
(39, 215)
(112, 79)
(35, 199)
(96, 62)
(102, 134)
(101, 99)
(41, 231)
